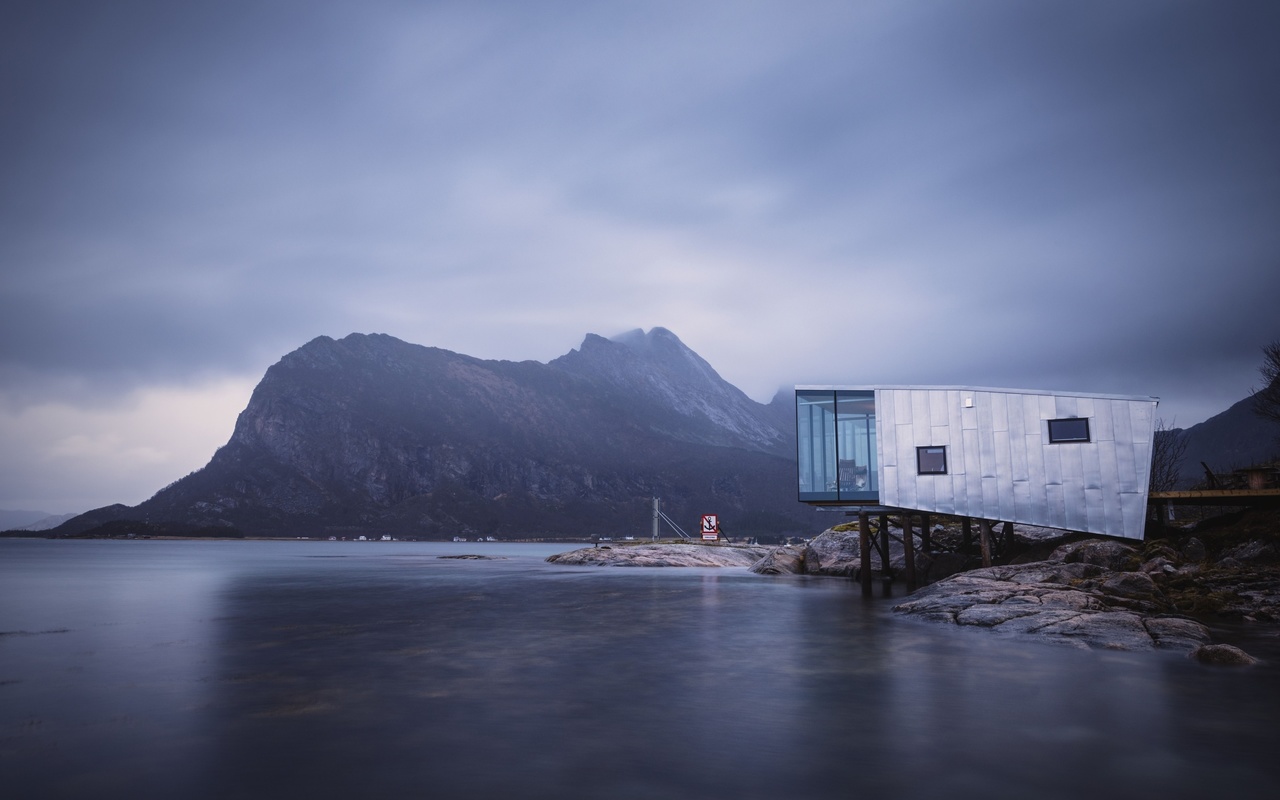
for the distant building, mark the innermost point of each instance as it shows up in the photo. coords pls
(1079, 462)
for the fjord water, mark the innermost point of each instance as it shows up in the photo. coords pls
(343, 669)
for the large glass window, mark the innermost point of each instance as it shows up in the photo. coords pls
(836, 436)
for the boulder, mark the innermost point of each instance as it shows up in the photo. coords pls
(780, 561)
(1104, 553)
(835, 552)
(1222, 655)
(1193, 550)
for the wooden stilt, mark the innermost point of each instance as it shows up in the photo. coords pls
(1006, 540)
(984, 536)
(909, 550)
(884, 545)
(864, 541)
(886, 574)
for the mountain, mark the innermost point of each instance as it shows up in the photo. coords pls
(1237, 437)
(372, 435)
(48, 522)
(17, 519)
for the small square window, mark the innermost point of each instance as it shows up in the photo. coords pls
(1062, 431)
(931, 460)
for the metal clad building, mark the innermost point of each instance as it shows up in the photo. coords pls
(1073, 461)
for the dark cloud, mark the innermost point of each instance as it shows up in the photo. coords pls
(1073, 195)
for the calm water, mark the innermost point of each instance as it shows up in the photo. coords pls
(333, 669)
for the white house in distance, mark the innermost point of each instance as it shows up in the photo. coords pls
(1079, 462)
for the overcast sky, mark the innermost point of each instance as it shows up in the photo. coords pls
(1061, 195)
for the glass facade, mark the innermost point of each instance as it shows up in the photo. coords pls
(836, 438)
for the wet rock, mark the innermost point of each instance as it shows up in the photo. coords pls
(835, 553)
(662, 555)
(1158, 564)
(1104, 553)
(1193, 550)
(1132, 585)
(1176, 633)
(1108, 630)
(944, 565)
(1250, 552)
(1222, 655)
(1078, 604)
(780, 561)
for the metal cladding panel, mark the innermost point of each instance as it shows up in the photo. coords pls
(1052, 462)
(955, 414)
(1126, 461)
(926, 493)
(1056, 506)
(1091, 463)
(960, 495)
(1102, 426)
(886, 437)
(990, 498)
(1134, 510)
(1073, 486)
(1004, 474)
(938, 406)
(889, 486)
(1109, 473)
(972, 473)
(1031, 414)
(1095, 512)
(901, 401)
(919, 408)
(1036, 473)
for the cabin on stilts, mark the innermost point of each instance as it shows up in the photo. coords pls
(1079, 462)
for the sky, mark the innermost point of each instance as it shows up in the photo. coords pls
(1081, 196)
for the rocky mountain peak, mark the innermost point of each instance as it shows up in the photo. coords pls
(661, 370)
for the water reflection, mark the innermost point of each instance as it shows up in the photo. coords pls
(306, 670)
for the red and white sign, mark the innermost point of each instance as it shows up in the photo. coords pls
(710, 526)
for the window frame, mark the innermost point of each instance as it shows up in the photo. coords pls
(922, 451)
(1061, 438)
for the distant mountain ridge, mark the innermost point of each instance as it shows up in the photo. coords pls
(1236, 438)
(370, 435)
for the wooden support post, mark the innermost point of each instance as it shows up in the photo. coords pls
(884, 545)
(1006, 540)
(864, 540)
(966, 529)
(909, 550)
(984, 536)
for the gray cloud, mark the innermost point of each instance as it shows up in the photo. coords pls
(1061, 195)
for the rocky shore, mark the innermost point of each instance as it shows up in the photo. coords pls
(1057, 588)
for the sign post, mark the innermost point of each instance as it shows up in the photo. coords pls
(710, 527)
